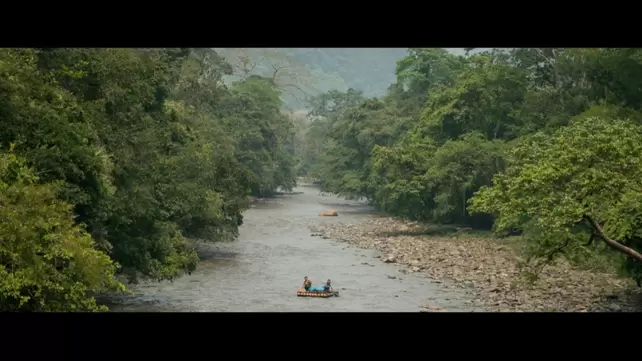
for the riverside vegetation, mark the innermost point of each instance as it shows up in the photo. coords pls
(113, 159)
(543, 146)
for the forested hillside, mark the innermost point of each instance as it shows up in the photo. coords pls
(304, 72)
(542, 142)
(112, 159)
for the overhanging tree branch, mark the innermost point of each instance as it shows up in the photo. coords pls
(599, 232)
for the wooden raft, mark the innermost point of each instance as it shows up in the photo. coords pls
(303, 293)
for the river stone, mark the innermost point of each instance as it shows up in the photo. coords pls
(488, 269)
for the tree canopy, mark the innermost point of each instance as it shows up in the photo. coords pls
(539, 141)
(113, 158)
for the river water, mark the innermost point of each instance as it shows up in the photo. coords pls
(261, 271)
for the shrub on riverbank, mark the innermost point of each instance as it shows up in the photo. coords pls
(49, 262)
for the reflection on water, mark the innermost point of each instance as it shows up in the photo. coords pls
(262, 270)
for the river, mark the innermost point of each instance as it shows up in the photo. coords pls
(261, 271)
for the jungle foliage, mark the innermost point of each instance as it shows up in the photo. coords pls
(543, 142)
(111, 159)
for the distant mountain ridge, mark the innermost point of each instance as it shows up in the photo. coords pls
(318, 70)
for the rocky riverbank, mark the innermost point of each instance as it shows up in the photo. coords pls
(486, 268)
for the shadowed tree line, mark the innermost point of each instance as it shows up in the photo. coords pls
(542, 142)
(113, 160)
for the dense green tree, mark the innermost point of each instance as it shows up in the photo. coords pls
(580, 184)
(48, 262)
